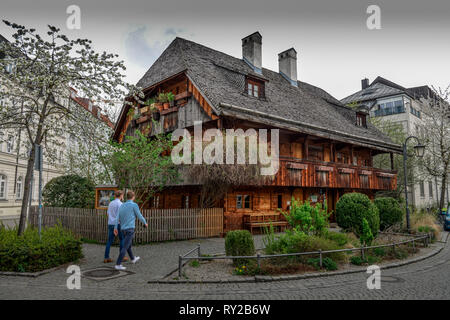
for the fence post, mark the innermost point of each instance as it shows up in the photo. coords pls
(198, 250)
(180, 265)
(362, 252)
(393, 247)
(414, 246)
(320, 258)
(258, 259)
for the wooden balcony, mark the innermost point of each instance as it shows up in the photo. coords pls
(308, 173)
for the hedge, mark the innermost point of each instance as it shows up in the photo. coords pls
(26, 253)
(239, 243)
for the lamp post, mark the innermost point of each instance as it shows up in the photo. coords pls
(419, 150)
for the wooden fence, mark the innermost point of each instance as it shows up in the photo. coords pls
(163, 224)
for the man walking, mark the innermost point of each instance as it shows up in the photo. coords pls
(113, 216)
(128, 213)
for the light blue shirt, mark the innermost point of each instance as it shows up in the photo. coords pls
(113, 211)
(128, 213)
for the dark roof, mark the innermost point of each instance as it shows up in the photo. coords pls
(381, 88)
(221, 79)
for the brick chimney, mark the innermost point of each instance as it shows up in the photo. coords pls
(287, 62)
(252, 51)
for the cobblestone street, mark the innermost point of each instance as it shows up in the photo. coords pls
(427, 279)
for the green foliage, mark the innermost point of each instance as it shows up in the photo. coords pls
(293, 241)
(194, 263)
(327, 263)
(366, 236)
(390, 212)
(340, 238)
(26, 253)
(352, 208)
(310, 219)
(162, 98)
(170, 96)
(239, 243)
(357, 260)
(150, 101)
(70, 191)
(380, 252)
(144, 165)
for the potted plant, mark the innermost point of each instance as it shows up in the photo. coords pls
(171, 99)
(162, 97)
(147, 106)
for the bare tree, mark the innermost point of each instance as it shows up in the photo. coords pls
(435, 133)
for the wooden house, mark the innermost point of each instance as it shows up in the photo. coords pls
(326, 148)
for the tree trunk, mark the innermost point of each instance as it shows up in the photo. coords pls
(443, 189)
(26, 192)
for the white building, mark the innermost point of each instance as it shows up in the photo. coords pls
(393, 103)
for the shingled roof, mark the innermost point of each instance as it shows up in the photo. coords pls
(221, 79)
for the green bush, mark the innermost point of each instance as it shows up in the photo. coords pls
(26, 253)
(390, 212)
(352, 208)
(70, 191)
(327, 263)
(239, 243)
(366, 236)
(357, 260)
(380, 252)
(294, 241)
(340, 238)
(311, 219)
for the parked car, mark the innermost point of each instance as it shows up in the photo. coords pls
(447, 222)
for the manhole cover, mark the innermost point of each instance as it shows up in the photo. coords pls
(391, 279)
(100, 274)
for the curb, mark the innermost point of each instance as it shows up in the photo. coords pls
(302, 276)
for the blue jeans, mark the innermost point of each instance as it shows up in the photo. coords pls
(111, 238)
(128, 235)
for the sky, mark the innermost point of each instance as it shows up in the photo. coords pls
(335, 48)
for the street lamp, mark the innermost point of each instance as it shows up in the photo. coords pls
(419, 150)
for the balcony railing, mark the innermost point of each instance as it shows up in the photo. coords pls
(307, 173)
(389, 111)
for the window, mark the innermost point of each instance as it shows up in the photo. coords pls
(19, 185)
(422, 189)
(185, 201)
(10, 144)
(280, 201)
(342, 157)
(243, 202)
(430, 189)
(155, 202)
(255, 88)
(2, 186)
(388, 108)
(315, 153)
(361, 120)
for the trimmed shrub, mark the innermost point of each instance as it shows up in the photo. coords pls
(70, 191)
(26, 253)
(239, 243)
(390, 212)
(357, 260)
(352, 208)
(311, 219)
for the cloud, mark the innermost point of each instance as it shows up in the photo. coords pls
(141, 51)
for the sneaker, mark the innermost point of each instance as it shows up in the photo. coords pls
(108, 260)
(136, 259)
(120, 267)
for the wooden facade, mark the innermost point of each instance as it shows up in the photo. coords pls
(311, 168)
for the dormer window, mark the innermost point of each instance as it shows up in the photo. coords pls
(255, 88)
(361, 119)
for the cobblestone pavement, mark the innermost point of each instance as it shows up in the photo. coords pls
(427, 279)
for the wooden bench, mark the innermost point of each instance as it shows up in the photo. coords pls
(263, 219)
